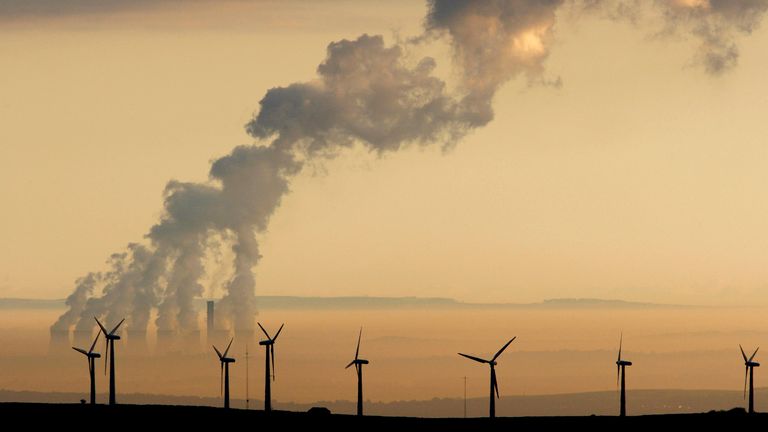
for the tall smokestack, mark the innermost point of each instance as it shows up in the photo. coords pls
(209, 318)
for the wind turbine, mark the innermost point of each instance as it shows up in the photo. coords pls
(358, 362)
(269, 344)
(749, 370)
(494, 383)
(91, 356)
(110, 338)
(224, 381)
(620, 372)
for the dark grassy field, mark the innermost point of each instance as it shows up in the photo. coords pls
(153, 416)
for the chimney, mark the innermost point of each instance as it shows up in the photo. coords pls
(210, 317)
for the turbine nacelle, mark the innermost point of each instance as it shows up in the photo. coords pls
(110, 335)
(748, 361)
(267, 342)
(623, 363)
(90, 354)
(223, 357)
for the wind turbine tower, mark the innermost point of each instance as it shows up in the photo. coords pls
(110, 338)
(269, 344)
(749, 370)
(91, 356)
(494, 383)
(224, 376)
(621, 373)
(358, 362)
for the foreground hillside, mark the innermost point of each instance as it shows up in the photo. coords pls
(135, 416)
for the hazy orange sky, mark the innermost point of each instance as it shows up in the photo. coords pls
(641, 177)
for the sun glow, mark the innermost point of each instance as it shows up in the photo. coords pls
(529, 42)
(692, 4)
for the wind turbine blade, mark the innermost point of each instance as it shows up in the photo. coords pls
(227, 350)
(221, 380)
(503, 348)
(753, 354)
(494, 382)
(80, 350)
(265, 332)
(746, 372)
(116, 327)
(278, 332)
(477, 359)
(217, 352)
(742, 354)
(106, 354)
(350, 364)
(360, 335)
(272, 350)
(621, 340)
(102, 327)
(618, 374)
(94, 342)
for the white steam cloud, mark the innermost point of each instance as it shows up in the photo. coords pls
(365, 92)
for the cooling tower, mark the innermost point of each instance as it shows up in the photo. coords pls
(59, 342)
(137, 342)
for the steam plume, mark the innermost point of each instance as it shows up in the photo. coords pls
(368, 93)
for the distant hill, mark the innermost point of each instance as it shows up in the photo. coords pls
(17, 303)
(364, 302)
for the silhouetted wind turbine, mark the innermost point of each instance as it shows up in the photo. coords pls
(494, 383)
(620, 372)
(224, 377)
(749, 370)
(358, 362)
(110, 338)
(91, 356)
(269, 344)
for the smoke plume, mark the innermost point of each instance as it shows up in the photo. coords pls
(715, 23)
(367, 93)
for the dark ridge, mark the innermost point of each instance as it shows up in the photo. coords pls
(154, 416)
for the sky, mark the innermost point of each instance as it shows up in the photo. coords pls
(629, 169)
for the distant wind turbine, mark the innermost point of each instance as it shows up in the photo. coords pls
(224, 376)
(269, 344)
(494, 383)
(91, 356)
(749, 370)
(620, 372)
(110, 338)
(358, 362)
